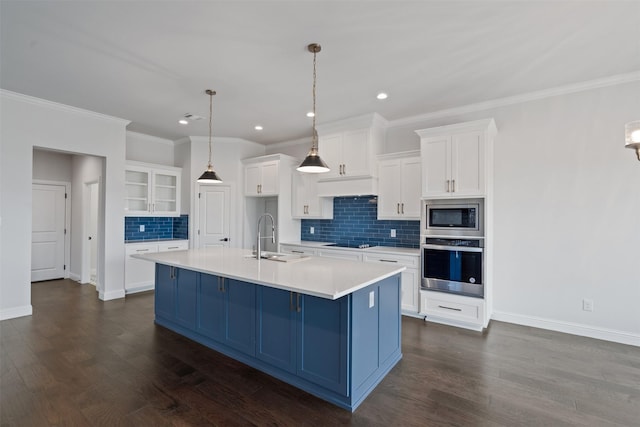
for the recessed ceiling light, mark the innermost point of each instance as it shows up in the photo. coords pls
(183, 121)
(381, 95)
(258, 127)
(310, 114)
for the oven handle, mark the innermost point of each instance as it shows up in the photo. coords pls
(453, 248)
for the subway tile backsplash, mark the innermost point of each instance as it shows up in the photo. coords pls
(355, 222)
(156, 228)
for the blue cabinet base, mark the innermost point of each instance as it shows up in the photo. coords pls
(368, 341)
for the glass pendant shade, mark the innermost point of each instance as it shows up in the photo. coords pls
(632, 136)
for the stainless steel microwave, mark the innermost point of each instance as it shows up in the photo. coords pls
(462, 217)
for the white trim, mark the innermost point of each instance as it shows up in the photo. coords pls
(518, 99)
(61, 107)
(85, 246)
(399, 155)
(107, 296)
(621, 337)
(75, 277)
(67, 220)
(12, 313)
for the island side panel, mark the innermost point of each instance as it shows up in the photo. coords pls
(376, 335)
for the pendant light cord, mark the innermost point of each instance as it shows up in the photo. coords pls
(314, 138)
(210, 120)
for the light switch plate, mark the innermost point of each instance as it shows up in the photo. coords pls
(312, 230)
(142, 228)
(393, 232)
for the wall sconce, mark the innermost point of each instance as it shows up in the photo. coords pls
(632, 136)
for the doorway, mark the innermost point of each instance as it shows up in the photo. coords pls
(213, 208)
(50, 245)
(90, 238)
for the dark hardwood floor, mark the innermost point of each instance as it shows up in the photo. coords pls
(80, 361)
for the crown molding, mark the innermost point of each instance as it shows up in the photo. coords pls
(518, 99)
(60, 107)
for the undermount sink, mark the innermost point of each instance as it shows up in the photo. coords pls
(280, 257)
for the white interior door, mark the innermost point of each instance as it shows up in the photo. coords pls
(214, 213)
(47, 238)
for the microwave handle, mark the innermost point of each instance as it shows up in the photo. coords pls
(453, 248)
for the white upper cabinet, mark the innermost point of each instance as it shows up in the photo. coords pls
(399, 186)
(456, 158)
(349, 148)
(261, 178)
(305, 202)
(152, 190)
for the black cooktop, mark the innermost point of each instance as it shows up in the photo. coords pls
(351, 245)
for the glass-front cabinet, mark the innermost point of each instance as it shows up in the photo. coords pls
(152, 190)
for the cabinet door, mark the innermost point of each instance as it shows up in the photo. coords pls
(240, 315)
(211, 311)
(330, 150)
(467, 164)
(411, 173)
(165, 199)
(269, 180)
(186, 297)
(355, 153)
(322, 342)
(165, 292)
(137, 182)
(436, 174)
(276, 327)
(305, 202)
(251, 180)
(389, 189)
(410, 290)
(138, 273)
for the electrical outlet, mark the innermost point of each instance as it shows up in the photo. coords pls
(372, 299)
(312, 230)
(393, 232)
(587, 304)
(142, 228)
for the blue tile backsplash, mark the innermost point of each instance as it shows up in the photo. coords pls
(156, 228)
(355, 223)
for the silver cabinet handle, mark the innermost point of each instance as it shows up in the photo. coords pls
(448, 186)
(388, 260)
(296, 252)
(170, 247)
(453, 185)
(298, 306)
(153, 207)
(402, 210)
(142, 250)
(344, 169)
(398, 207)
(290, 301)
(449, 308)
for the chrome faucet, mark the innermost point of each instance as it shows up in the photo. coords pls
(259, 239)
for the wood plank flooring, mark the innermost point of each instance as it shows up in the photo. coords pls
(79, 361)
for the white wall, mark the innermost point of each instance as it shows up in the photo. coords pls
(227, 155)
(60, 128)
(298, 149)
(51, 166)
(182, 159)
(149, 149)
(567, 201)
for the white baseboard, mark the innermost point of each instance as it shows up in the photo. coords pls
(107, 296)
(140, 289)
(569, 328)
(12, 313)
(75, 277)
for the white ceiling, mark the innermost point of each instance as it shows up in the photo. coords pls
(150, 61)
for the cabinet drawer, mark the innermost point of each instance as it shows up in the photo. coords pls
(297, 250)
(134, 248)
(467, 309)
(173, 246)
(340, 254)
(407, 261)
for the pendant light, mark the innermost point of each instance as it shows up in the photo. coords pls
(210, 176)
(313, 163)
(632, 136)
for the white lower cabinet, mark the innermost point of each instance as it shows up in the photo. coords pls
(340, 254)
(139, 275)
(299, 250)
(410, 278)
(452, 309)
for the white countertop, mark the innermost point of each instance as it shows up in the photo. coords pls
(322, 277)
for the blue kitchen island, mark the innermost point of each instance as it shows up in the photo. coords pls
(329, 327)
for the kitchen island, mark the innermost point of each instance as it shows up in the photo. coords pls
(329, 327)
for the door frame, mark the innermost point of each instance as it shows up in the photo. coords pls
(84, 246)
(196, 216)
(67, 220)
